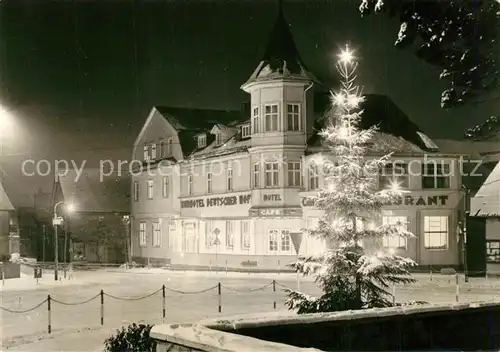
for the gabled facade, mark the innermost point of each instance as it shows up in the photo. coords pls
(234, 186)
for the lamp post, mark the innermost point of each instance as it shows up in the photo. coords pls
(56, 221)
(464, 231)
(128, 242)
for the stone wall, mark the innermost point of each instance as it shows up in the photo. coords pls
(427, 327)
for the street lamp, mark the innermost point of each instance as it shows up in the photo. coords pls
(128, 242)
(58, 221)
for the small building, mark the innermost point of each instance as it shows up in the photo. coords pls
(9, 233)
(486, 203)
(227, 188)
(96, 229)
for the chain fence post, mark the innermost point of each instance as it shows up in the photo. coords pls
(164, 298)
(457, 290)
(219, 293)
(226, 267)
(274, 294)
(394, 294)
(49, 315)
(102, 308)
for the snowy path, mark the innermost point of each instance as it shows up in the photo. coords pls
(22, 332)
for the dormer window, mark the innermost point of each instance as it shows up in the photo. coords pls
(202, 141)
(218, 139)
(245, 131)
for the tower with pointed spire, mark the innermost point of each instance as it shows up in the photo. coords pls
(280, 90)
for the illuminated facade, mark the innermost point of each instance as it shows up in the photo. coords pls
(227, 188)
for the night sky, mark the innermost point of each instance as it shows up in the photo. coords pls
(82, 76)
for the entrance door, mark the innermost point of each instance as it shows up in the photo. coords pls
(476, 246)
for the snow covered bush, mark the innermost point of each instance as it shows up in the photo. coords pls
(134, 338)
(15, 257)
(356, 271)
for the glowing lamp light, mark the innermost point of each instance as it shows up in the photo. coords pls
(392, 251)
(343, 132)
(339, 99)
(380, 254)
(394, 187)
(331, 187)
(70, 208)
(346, 56)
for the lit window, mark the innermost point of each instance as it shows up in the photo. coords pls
(209, 182)
(143, 237)
(395, 241)
(202, 141)
(169, 147)
(255, 120)
(146, 152)
(153, 151)
(256, 175)
(218, 139)
(245, 234)
(136, 191)
(245, 131)
(229, 179)
(313, 177)
(436, 232)
(166, 186)
(435, 175)
(294, 174)
(156, 234)
(271, 117)
(273, 240)
(229, 234)
(293, 117)
(492, 251)
(272, 174)
(394, 173)
(151, 188)
(190, 185)
(162, 149)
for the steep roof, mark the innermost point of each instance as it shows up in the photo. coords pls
(486, 202)
(91, 195)
(396, 132)
(191, 122)
(281, 58)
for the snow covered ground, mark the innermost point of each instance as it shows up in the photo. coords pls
(76, 327)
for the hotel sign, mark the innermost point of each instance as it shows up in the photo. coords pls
(403, 200)
(216, 201)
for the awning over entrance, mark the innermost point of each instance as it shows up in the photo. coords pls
(275, 212)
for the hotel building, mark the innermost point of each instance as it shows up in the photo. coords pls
(227, 188)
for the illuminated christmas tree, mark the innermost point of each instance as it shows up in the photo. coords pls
(356, 271)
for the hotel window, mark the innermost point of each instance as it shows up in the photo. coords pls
(436, 232)
(394, 173)
(136, 191)
(271, 117)
(151, 189)
(146, 152)
(255, 120)
(162, 149)
(169, 147)
(294, 174)
(143, 237)
(256, 175)
(435, 175)
(153, 151)
(285, 241)
(272, 174)
(293, 117)
(273, 240)
(245, 131)
(166, 186)
(190, 185)
(208, 234)
(156, 234)
(218, 139)
(493, 251)
(209, 182)
(202, 141)
(245, 234)
(395, 241)
(313, 177)
(230, 179)
(229, 234)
